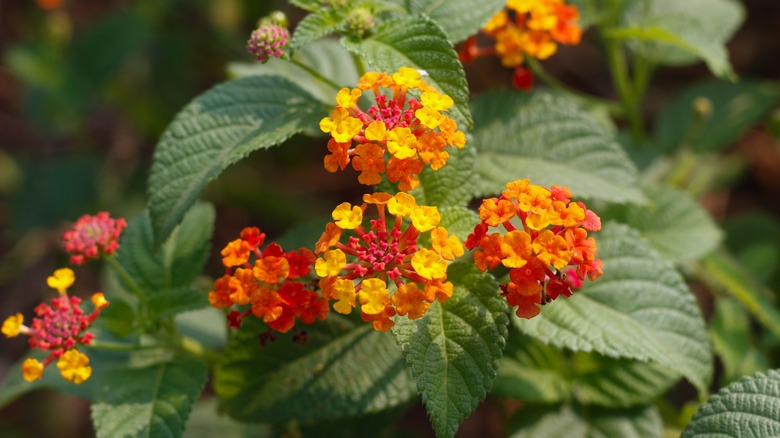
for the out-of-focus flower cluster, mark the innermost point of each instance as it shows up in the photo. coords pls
(405, 130)
(58, 328)
(526, 28)
(383, 256)
(545, 245)
(92, 236)
(274, 285)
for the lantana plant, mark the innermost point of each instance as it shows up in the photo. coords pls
(500, 244)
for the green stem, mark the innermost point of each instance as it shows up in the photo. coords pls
(359, 64)
(317, 75)
(539, 71)
(116, 346)
(126, 278)
(626, 91)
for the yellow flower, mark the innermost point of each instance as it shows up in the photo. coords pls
(447, 246)
(347, 129)
(436, 101)
(407, 77)
(331, 264)
(425, 218)
(32, 369)
(74, 366)
(347, 217)
(61, 279)
(402, 143)
(343, 291)
(346, 98)
(515, 249)
(376, 131)
(429, 117)
(429, 264)
(373, 296)
(12, 325)
(99, 300)
(402, 204)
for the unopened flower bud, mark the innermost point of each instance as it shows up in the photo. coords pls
(360, 20)
(267, 41)
(702, 107)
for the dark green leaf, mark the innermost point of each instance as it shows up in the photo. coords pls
(732, 340)
(453, 351)
(640, 309)
(342, 371)
(549, 140)
(169, 302)
(712, 115)
(318, 24)
(458, 18)
(152, 401)
(578, 422)
(418, 42)
(454, 185)
(747, 408)
(217, 129)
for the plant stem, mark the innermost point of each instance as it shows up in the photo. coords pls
(116, 346)
(539, 71)
(126, 278)
(628, 96)
(316, 74)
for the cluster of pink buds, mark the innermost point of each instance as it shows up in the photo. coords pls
(58, 328)
(92, 236)
(266, 41)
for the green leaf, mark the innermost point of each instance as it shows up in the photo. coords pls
(459, 221)
(318, 24)
(178, 262)
(747, 408)
(458, 18)
(732, 108)
(639, 309)
(169, 302)
(538, 373)
(151, 401)
(217, 129)
(206, 422)
(453, 351)
(451, 186)
(326, 57)
(549, 140)
(733, 341)
(680, 33)
(342, 371)
(418, 42)
(676, 225)
(206, 325)
(579, 422)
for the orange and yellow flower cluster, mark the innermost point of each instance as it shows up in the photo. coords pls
(527, 28)
(270, 282)
(545, 247)
(59, 329)
(384, 256)
(396, 136)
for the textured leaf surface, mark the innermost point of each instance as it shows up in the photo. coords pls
(747, 408)
(418, 42)
(153, 401)
(327, 57)
(166, 274)
(453, 351)
(453, 184)
(316, 25)
(676, 225)
(640, 309)
(574, 422)
(735, 107)
(538, 373)
(343, 371)
(458, 18)
(217, 129)
(549, 140)
(680, 33)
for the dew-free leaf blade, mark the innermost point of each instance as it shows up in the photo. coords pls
(151, 401)
(217, 129)
(454, 350)
(418, 42)
(749, 407)
(549, 140)
(639, 309)
(586, 422)
(342, 371)
(458, 18)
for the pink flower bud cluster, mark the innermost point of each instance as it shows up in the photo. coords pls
(92, 235)
(266, 41)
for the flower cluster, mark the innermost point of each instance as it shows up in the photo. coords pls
(58, 328)
(92, 236)
(267, 41)
(545, 247)
(384, 257)
(271, 282)
(398, 135)
(527, 28)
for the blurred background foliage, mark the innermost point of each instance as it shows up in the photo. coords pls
(87, 87)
